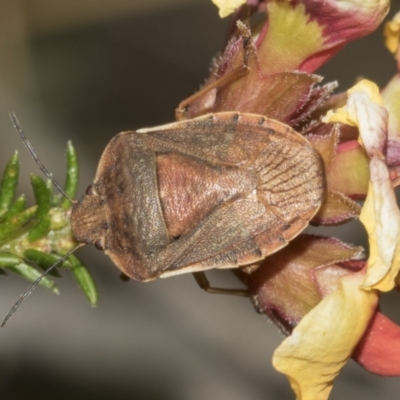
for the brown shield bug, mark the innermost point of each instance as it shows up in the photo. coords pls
(220, 191)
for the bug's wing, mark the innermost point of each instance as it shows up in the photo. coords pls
(224, 138)
(220, 239)
(289, 189)
(138, 240)
(284, 189)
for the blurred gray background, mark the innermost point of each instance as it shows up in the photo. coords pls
(86, 70)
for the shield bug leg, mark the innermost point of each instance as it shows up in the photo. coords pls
(124, 278)
(202, 281)
(236, 73)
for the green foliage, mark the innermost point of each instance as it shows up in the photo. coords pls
(32, 239)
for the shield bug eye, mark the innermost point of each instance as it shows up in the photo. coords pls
(99, 244)
(90, 190)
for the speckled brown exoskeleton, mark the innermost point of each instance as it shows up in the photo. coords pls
(220, 191)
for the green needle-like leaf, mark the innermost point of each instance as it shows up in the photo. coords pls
(49, 185)
(43, 200)
(80, 272)
(71, 184)
(8, 183)
(43, 260)
(31, 274)
(85, 280)
(28, 235)
(9, 260)
(10, 227)
(16, 207)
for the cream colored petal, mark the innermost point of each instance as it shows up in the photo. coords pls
(380, 214)
(364, 109)
(227, 7)
(391, 100)
(381, 218)
(313, 355)
(365, 7)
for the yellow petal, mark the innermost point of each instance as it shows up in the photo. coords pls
(362, 99)
(391, 100)
(392, 33)
(380, 214)
(381, 218)
(349, 171)
(227, 7)
(313, 355)
(286, 49)
(370, 88)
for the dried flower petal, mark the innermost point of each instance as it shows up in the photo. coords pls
(325, 142)
(336, 208)
(285, 285)
(257, 68)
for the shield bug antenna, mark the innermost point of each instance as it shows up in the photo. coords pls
(32, 287)
(29, 146)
